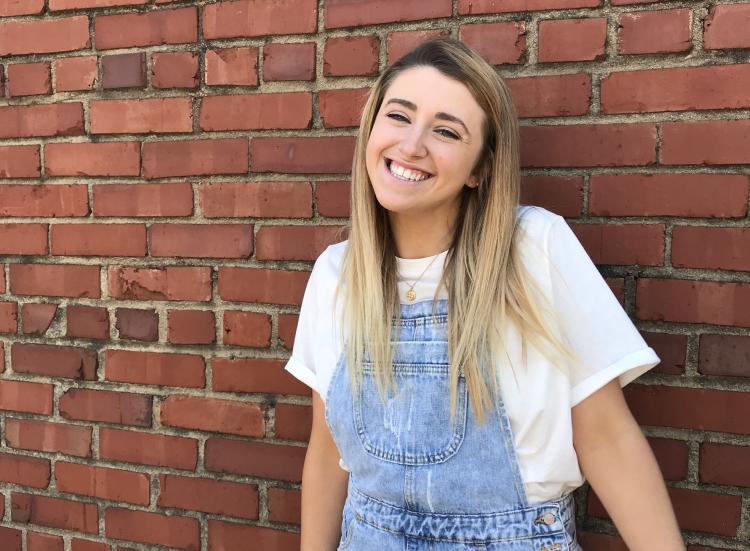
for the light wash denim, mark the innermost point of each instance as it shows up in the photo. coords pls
(418, 481)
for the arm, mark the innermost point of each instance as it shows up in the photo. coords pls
(324, 487)
(620, 466)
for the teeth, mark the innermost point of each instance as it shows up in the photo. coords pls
(405, 173)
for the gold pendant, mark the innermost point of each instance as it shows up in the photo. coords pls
(411, 295)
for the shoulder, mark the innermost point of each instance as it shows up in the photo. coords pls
(327, 269)
(536, 221)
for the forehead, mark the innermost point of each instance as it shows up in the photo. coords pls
(432, 91)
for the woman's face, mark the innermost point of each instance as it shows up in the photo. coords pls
(426, 139)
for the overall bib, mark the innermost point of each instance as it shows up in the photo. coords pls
(419, 482)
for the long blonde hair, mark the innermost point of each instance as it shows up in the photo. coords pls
(487, 283)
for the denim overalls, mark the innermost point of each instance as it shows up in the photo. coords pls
(418, 482)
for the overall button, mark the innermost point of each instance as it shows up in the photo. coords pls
(547, 518)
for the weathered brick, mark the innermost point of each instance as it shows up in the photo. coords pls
(24, 7)
(498, 43)
(121, 408)
(191, 327)
(284, 110)
(56, 200)
(28, 79)
(165, 283)
(44, 436)
(152, 28)
(289, 61)
(195, 157)
(124, 71)
(36, 318)
(74, 74)
(343, 13)
(562, 195)
(88, 322)
(260, 285)
(724, 464)
(19, 161)
(50, 119)
(295, 242)
(572, 39)
(26, 397)
(256, 199)
(325, 154)
(98, 239)
(727, 355)
(137, 324)
(58, 280)
(44, 36)
(209, 496)
(342, 107)
(351, 55)
(401, 43)
(102, 482)
(92, 159)
(232, 66)
(284, 505)
(55, 513)
(255, 375)
(174, 70)
(551, 96)
(705, 143)
(8, 317)
(623, 243)
(25, 471)
(141, 116)
(726, 26)
(229, 535)
(466, 7)
(252, 458)
(201, 240)
(209, 414)
(247, 329)
(56, 361)
(712, 247)
(23, 239)
(155, 368)
(660, 31)
(259, 18)
(143, 200)
(148, 449)
(293, 422)
(333, 198)
(154, 528)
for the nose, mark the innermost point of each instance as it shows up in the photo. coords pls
(412, 142)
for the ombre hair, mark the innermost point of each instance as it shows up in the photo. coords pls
(487, 283)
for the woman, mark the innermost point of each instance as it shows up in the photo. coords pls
(466, 356)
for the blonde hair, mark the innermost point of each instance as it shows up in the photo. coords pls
(487, 283)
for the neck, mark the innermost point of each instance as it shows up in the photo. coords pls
(420, 236)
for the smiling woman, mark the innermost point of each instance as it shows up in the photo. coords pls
(465, 353)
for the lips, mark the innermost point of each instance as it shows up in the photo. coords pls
(387, 165)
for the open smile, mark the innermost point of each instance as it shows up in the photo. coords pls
(403, 174)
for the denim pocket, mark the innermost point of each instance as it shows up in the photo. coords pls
(413, 426)
(347, 527)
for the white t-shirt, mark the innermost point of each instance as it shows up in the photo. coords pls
(538, 395)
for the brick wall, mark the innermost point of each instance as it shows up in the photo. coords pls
(170, 169)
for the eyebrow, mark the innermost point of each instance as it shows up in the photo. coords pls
(439, 115)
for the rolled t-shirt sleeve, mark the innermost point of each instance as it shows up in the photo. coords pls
(302, 362)
(592, 321)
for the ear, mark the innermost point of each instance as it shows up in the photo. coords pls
(473, 181)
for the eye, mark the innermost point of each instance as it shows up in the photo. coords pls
(398, 117)
(448, 133)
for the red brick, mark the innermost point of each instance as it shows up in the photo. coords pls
(28, 79)
(124, 71)
(687, 301)
(225, 535)
(333, 198)
(562, 195)
(351, 55)
(661, 31)
(247, 329)
(325, 154)
(287, 329)
(195, 157)
(695, 510)
(153, 28)
(56, 200)
(724, 464)
(206, 414)
(102, 482)
(588, 145)
(283, 110)
(36, 541)
(23, 239)
(339, 108)
(260, 285)
(88, 322)
(289, 61)
(623, 243)
(201, 240)
(174, 70)
(23, 470)
(572, 39)
(74, 74)
(295, 242)
(98, 239)
(166, 283)
(497, 43)
(137, 324)
(19, 161)
(153, 528)
(86, 545)
(78, 4)
(626, 2)
(284, 505)
(705, 143)
(672, 457)
(92, 159)
(678, 89)
(671, 349)
(25, 7)
(141, 116)
(684, 195)
(2, 278)
(255, 375)
(55, 513)
(56, 361)
(261, 459)
(726, 27)
(232, 66)
(501, 6)
(44, 36)
(191, 327)
(551, 96)
(710, 247)
(122, 408)
(617, 286)
(8, 317)
(2, 361)
(25, 397)
(55, 280)
(400, 43)
(42, 436)
(727, 355)
(9, 537)
(51, 119)
(343, 13)
(209, 496)
(259, 18)
(257, 199)
(143, 200)
(148, 449)
(293, 422)
(693, 408)
(154, 368)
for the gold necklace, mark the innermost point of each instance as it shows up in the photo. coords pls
(410, 294)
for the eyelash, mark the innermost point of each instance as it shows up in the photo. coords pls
(447, 133)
